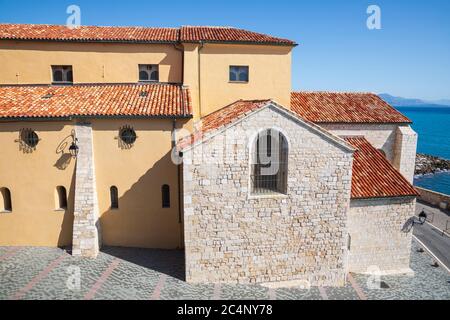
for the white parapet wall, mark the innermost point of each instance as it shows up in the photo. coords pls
(86, 225)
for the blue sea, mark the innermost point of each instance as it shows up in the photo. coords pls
(432, 123)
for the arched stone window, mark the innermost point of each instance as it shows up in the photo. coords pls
(165, 191)
(61, 198)
(269, 166)
(114, 192)
(5, 201)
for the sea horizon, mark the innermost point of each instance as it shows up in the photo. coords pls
(431, 122)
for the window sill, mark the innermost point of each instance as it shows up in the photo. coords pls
(62, 83)
(60, 210)
(239, 82)
(5, 212)
(148, 81)
(268, 196)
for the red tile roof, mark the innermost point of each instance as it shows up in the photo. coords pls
(221, 118)
(329, 107)
(87, 33)
(228, 34)
(140, 100)
(373, 175)
(136, 34)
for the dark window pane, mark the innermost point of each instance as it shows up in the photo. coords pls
(143, 76)
(270, 183)
(6, 195)
(62, 197)
(165, 190)
(57, 76)
(243, 74)
(114, 197)
(69, 76)
(154, 76)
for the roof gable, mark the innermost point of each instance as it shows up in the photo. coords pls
(232, 114)
(333, 107)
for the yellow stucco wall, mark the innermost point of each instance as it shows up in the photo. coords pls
(32, 179)
(138, 173)
(26, 62)
(269, 74)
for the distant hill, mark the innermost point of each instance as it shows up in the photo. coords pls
(402, 102)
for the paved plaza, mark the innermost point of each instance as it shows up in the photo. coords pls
(142, 274)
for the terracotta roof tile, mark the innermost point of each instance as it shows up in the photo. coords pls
(87, 33)
(148, 100)
(221, 118)
(373, 175)
(228, 34)
(135, 34)
(332, 107)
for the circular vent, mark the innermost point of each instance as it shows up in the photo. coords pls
(128, 135)
(30, 138)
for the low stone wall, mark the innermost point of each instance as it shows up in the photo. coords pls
(437, 199)
(381, 234)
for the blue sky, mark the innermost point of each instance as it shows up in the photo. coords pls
(409, 56)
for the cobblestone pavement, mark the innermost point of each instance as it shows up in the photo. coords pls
(123, 273)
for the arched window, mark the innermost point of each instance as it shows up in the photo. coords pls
(143, 76)
(269, 163)
(5, 203)
(61, 198)
(165, 191)
(114, 197)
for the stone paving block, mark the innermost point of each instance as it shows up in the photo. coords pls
(139, 272)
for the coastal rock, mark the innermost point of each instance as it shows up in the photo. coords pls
(426, 164)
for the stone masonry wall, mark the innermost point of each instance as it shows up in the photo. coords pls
(380, 234)
(381, 136)
(233, 237)
(86, 226)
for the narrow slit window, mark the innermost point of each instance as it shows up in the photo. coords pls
(114, 197)
(165, 190)
(6, 204)
(61, 198)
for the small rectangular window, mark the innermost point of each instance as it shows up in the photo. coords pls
(165, 191)
(62, 74)
(148, 72)
(239, 74)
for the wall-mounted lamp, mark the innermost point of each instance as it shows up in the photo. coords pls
(73, 149)
(422, 218)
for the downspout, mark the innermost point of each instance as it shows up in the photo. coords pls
(180, 197)
(182, 60)
(199, 80)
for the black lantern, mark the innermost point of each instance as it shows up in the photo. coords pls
(422, 217)
(73, 149)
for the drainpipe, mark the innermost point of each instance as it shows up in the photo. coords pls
(180, 196)
(199, 80)
(181, 49)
